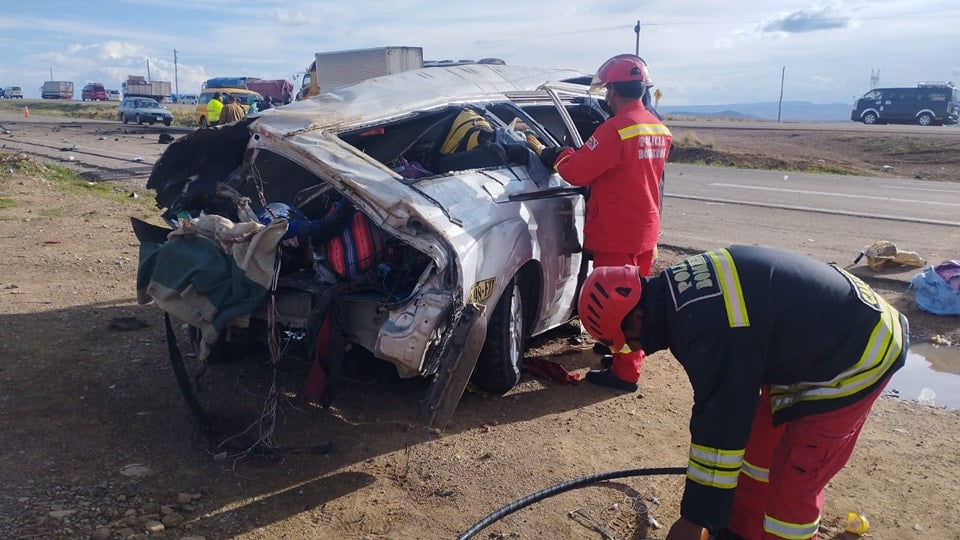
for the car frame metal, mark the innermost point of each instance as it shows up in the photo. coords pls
(489, 256)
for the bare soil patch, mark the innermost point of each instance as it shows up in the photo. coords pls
(99, 444)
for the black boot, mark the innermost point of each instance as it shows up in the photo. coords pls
(606, 361)
(605, 377)
(601, 349)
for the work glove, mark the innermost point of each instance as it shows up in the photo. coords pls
(548, 156)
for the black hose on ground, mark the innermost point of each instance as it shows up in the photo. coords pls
(560, 488)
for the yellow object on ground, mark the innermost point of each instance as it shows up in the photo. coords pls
(882, 252)
(857, 524)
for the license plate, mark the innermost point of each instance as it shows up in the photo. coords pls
(159, 118)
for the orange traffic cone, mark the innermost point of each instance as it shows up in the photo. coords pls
(26, 111)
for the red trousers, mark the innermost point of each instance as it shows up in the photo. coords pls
(626, 366)
(780, 489)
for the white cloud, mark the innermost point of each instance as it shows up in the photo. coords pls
(699, 52)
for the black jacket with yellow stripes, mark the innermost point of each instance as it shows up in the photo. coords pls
(747, 316)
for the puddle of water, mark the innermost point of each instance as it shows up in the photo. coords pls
(931, 375)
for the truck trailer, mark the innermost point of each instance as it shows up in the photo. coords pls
(137, 86)
(57, 90)
(334, 69)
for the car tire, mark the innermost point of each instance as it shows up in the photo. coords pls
(869, 118)
(138, 120)
(167, 123)
(123, 118)
(925, 119)
(203, 121)
(501, 360)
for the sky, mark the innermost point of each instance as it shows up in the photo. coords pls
(700, 52)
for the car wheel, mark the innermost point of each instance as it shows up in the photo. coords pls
(869, 118)
(166, 122)
(501, 360)
(138, 120)
(925, 119)
(203, 121)
(123, 118)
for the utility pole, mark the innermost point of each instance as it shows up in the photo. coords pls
(636, 29)
(51, 73)
(176, 78)
(783, 74)
(148, 70)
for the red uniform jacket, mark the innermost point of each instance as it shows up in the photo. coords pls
(622, 163)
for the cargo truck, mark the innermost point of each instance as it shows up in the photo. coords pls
(280, 90)
(57, 90)
(137, 86)
(334, 69)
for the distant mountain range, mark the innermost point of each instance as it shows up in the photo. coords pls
(790, 111)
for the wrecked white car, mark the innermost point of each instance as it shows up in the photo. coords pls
(407, 216)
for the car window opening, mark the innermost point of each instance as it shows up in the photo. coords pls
(437, 143)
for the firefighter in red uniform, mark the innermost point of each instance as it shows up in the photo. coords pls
(786, 356)
(622, 163)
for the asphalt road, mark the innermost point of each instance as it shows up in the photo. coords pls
(830, 217)
(856, 127)
(100, 149)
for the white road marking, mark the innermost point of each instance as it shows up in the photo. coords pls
(833, 194)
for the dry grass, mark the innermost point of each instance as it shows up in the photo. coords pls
(13, 164)
(95, 110)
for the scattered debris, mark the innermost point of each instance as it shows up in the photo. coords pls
(927, 396)
(882, 252)
(138, 158)
(885, 168)
(126, 324)
(941, 340)
(581, 517)
(937, 288)
(135, 469)
(133, 195)
(165, 138)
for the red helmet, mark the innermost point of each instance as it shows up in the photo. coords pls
(608, 295)
(622, 68)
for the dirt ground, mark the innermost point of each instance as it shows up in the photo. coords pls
(98, 443)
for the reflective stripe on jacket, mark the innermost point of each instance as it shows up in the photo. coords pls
(622, 162)
(747, 316)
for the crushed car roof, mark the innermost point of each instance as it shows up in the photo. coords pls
(408, 91)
